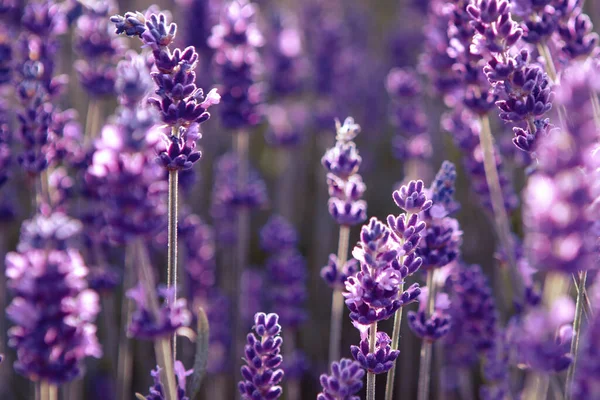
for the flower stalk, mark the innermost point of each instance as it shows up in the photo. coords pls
(337, 301)
(371, 375)
(427, 346)
(172, 238)
(579, 305)
(389, 384)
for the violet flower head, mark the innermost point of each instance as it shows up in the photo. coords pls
(262, 356)
(53, 230)
(437, 324)
(557, 196)
(542, 338)
(252, 291)
(345, 184)
(53, 312)
(99, 49)
(171, 316)
(181, 104)
(157, 391)
(412, 141)
(540, 19)
(287, 124)
(345, 381)
(575, 30)
(442, 190)
(334, 275)
(379, 362)
(278, 234)
(235, 40)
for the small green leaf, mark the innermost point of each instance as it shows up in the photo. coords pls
(201, 358)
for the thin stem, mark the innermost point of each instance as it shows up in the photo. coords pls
(242, 144)
(172, 246)
(370, 375)
(48, 391)
(337, 301)
(497, 199)
(426, 346)
(577, 332)
(92, 120)
(164, 356)
(125, 359)
(552, 74)
(389, 383)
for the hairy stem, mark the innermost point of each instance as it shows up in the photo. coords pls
(172, 245)
(576, 331)
(426, 346)
(389, 383)
(370, 375)
(337, 301)
(497, 199)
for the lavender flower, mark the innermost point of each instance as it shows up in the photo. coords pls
(262, 356)
(181, 104)
(379, 362)
(235, 40)
(335, 276)
(277, 235)
(53, 312)
(542, 338)
(157, 390)
(345, 185)
(344, 382)
(575, 29)
(99, 49)
(434, 326)
(172, 314)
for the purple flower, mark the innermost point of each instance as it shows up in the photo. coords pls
(575, 29)
(344, 382)
(252, 292)
(542, 338)
(53, 312)
(49, 230)
(379, 362)
(277, 235)
(262, 356)
(171, 316)
(437, 324)
(157, 391)
(335, 276)
(345, 185)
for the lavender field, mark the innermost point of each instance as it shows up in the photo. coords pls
(316, 199)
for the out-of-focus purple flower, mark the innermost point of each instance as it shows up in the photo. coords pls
(6, 136)
(277, 235)
(345, 184)
(286, 125)
(252, 292)
(218, 311)
(53, 230)
(435, 326)
(496, 369)
(465, 128)
(262, 355)
(540, 19)
(99, 49)
(442, 191)
(408, 115)
(6, 56)
(172, 315)
(379, 362)
(473, 312)
(344, 382)
(104, 278)
(295, 365)
(53, 312)
(575, 30)
(559, 234)
(157, 391)
(235, 40)
(334, 275)
(542, 338)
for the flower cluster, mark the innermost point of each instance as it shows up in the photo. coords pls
(434, 326)
(345, 184)
(344, 382)
(408, 115)
(235, 40)
(99, 49)
(379, 362)
(576, 39)
(559, 228)
(181, 104)
(524, 89)
(262, 356)
(286, 271)
(53, 310)
(336, 275)
(146, 324)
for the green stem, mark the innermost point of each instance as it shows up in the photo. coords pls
(337, 301)
(389, 383)
(370, 375)
(576, 331)
(426, 346)
(497, 198)
(172, 239)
